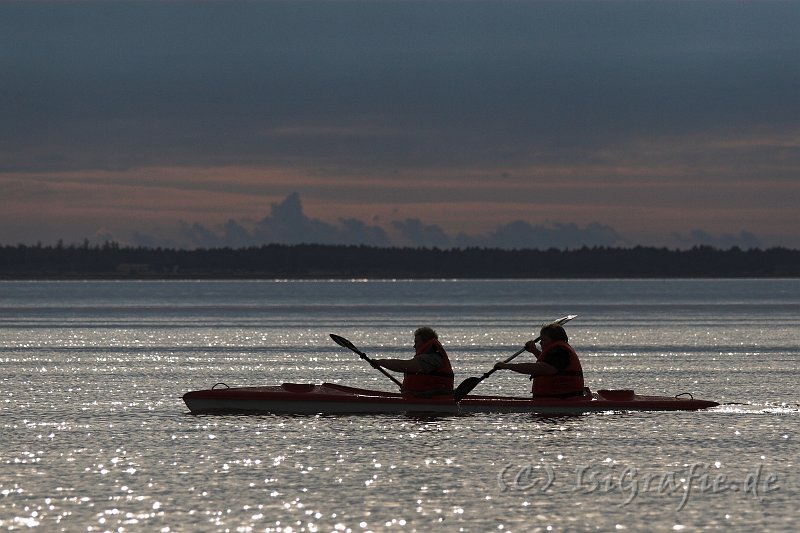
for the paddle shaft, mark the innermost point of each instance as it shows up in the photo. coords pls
(344, 343)
(513, 356)
(379, 369)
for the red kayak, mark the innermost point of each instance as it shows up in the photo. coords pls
(329, 398)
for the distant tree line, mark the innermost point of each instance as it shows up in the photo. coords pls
(112, 261)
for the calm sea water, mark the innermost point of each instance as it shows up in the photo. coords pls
(95, 436)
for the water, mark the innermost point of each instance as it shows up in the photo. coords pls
(95, 436)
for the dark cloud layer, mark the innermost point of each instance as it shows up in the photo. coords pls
(115, 84)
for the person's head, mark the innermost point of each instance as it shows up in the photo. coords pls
(423, 335)
(552, 333)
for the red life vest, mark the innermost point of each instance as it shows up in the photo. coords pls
(440, 379)
(565, 383)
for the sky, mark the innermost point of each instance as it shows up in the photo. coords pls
(476, 123)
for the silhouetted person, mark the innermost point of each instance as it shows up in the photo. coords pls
(428, 373)
(557, 372)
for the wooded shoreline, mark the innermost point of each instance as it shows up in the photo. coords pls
(308, 261)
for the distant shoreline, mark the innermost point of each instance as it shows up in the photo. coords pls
(320, 262)
(364, 280)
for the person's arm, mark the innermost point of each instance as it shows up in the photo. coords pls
(533, 369)
(531, 347)
(401, 365)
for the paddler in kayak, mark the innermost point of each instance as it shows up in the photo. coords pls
(429, 372)
(557, 372)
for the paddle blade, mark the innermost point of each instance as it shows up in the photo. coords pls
(466, 387)
(563, 320)
(344, 343)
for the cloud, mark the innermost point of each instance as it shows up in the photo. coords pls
(235, 235)
(521, 234)
(415, 232)
(354, 231)
(200, 236)
(288, 224)
(744, 240)
(158, 240)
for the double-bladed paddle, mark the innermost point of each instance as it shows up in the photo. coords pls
(470, 383)
(344, 343)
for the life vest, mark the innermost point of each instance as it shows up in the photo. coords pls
(565, 383)
(438, 381)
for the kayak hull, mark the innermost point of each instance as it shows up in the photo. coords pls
(328, 398)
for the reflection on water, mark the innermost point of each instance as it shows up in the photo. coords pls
(95, 436)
